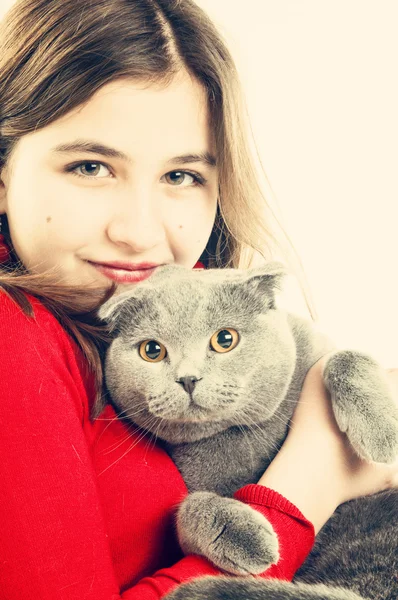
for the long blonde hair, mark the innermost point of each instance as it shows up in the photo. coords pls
(55, 54)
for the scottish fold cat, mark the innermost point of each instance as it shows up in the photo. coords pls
(206, 361)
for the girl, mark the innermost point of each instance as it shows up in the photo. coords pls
(122, 148)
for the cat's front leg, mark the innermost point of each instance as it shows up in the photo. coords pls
(363, 404)
(232, 535)
(239, 588)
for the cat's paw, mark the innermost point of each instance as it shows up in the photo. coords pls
(230, 534)
(363, 405)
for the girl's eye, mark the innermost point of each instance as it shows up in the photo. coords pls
(224, 340)
(176, 178)
(92, 169)
(152, 351)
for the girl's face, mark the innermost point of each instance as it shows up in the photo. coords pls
(142, 192)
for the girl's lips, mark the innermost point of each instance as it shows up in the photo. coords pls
(122, 275)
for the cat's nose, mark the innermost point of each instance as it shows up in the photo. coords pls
(188, 383)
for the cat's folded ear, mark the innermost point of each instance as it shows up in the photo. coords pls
(132, 298)
(266, 277)
(111, 310)
(130, 302)
(265, 280)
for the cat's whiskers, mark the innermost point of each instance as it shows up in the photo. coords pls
(251, 427)
(248, 444)
(118, 443)
(149, 425)
(229, 397)
(141, 435)
(259, 437)
(257, 403)
(166, 405)
(120, 457)
(153, 437)
(110, 423)
(111, 419)
(137, 410)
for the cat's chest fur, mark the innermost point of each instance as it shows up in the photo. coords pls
(230, 459)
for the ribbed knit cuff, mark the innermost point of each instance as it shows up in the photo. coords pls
(264, 496)
(165, 580)
(295, 533)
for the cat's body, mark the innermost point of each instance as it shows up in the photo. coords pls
(358, 548)
(257, 444)
(222, 433)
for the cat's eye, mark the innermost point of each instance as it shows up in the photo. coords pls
(224, 340)
(152, 351)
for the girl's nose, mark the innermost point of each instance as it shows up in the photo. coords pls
(138, 225)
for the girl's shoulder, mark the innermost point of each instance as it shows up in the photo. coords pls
(42, 324)
(39, 343)
(9, 306)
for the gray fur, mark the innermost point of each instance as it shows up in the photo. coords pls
(226, 588)
(223, 432)
(256, 541)
(358, 548)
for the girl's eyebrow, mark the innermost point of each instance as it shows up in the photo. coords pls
(95, 147)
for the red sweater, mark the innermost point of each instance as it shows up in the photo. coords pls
(87, 508)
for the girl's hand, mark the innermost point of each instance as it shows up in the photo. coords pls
(316, 468)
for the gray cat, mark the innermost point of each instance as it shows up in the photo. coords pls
(207, 362)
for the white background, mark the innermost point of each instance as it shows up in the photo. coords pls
(321, 85)
(320, 78)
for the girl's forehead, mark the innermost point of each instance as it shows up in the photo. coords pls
(128, 92)
(135, 119)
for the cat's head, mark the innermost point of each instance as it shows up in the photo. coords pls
(197, 351)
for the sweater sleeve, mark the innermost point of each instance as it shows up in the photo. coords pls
(53, 540)
(295, 533)
(52, 536)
